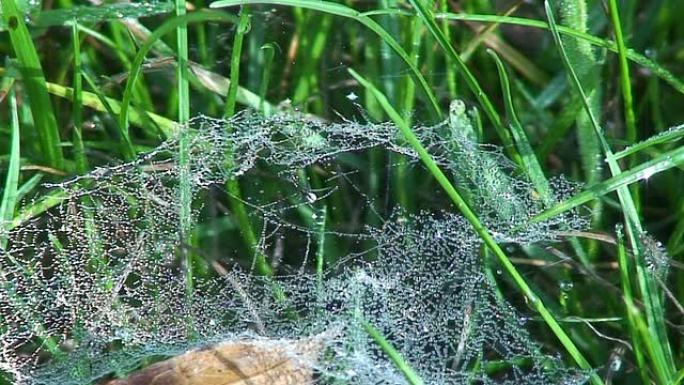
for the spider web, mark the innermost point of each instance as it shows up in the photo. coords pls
(96, 285)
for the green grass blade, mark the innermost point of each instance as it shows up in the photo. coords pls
(634, 318)
(28, 186)
(344, 11)
(657, 341)
(242, 28)
(530, 163)
(34, 80)
(319, 229)
(104, 104)
(184, 187)
(472, 218)
(640, 59)
(232, 185)
(429, 20)
(673, 134)
(168, 26)
(269, 52)
(626, 89)
(625, 81)
(643, 171)
(97, 14)
(411, 376)
(79, 152)
(9, 193)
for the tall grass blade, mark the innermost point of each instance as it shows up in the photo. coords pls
(641, 172)
(638, 58)
(625, 88)
(9, 193)
(673, 134)
(34, 80)
(429, 20)
(184, 188)
(530, 164)
(79, 151)
(411, 376)
(232, 185)
(344, 11)
(657, 342)
(168, 26)
(487, 238)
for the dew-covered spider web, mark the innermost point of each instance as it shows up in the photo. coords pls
(96, 286)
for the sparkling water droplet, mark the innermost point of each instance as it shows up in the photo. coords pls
(311, 197)
(616, 364)
(566, 285)
(352, 96)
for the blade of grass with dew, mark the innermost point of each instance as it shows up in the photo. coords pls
(641, 172)
(7, 207)
(319, 229)
(184, 188)
(657, 342)
(314, 32)
(168, 26)
(9, 193)
(411, 376)
(626, 89)
(428, 19)
(34, 80)
(77, 140)
(232, 185)
(628, 298)
(450, 72)
(344, 11)
(95, 102)
(638, 58)
(530, 163)
(487, 238)
(100, 13)
(268, 51)
(670, 135)
(574, 15)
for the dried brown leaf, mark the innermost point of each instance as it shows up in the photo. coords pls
(243, 362)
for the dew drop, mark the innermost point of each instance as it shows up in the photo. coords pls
(566, 285)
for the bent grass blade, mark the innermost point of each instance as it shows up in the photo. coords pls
(479, 228)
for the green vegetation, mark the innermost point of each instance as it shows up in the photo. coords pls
(583, 90)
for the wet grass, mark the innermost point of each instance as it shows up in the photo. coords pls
(565, 90)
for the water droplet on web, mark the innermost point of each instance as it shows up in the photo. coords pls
(424, 285)
(352, 96)
(566, 285)
(616, 364)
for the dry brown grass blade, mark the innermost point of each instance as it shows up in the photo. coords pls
(245, 362)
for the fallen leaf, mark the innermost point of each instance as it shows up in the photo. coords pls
(243, 362)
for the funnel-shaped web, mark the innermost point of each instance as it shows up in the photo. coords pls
(94, 287)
